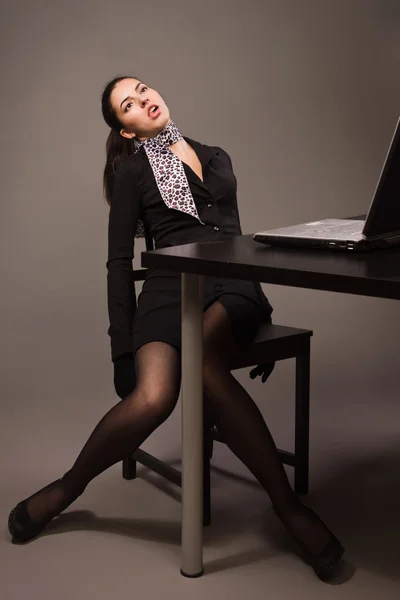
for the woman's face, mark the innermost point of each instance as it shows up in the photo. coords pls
(140, 109)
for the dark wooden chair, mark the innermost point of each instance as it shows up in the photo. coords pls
(273, 343)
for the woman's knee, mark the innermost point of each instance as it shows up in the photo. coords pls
(159, 400)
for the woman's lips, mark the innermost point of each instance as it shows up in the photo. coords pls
(156, 113)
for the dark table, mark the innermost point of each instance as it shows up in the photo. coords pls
(375, 273)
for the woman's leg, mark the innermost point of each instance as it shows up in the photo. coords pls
(238, 419)
(123, 429)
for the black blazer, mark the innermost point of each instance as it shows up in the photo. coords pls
(136, 196)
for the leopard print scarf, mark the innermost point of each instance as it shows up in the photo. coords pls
(169, 173)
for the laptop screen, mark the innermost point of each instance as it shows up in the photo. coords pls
(384, 214)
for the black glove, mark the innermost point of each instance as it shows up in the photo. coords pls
(263, 371)
(124, 375)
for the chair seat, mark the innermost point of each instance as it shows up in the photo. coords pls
(272, 343)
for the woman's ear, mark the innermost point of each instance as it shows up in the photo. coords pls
(129, 135)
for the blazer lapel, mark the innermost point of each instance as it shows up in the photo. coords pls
(205, 154)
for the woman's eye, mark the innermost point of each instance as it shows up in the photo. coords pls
(144, 88)
(128, 106)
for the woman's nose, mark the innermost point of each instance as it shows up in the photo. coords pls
(144, 102)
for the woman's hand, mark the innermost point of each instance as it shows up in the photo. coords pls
(263, 371)
(124, 375)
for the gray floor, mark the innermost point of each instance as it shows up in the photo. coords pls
(121, 539)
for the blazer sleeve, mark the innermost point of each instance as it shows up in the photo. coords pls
(121, 295)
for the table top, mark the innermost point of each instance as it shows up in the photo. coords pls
(372, 273)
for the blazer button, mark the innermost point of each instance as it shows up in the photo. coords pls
(215, 229)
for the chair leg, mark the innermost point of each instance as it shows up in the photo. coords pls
(129, 468)
(302, 423)
(211, 447)
(129, 465)
(208, 447)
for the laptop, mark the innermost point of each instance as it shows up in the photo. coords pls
(380, 229)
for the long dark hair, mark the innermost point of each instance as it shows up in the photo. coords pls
(117, 146)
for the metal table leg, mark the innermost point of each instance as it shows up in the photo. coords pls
(192, 424)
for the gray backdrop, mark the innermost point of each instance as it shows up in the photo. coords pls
(303, 95)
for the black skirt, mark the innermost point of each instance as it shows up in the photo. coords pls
(158, 314)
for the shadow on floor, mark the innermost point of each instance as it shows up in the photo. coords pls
(359, 501)
(358, 498)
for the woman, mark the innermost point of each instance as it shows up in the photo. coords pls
(178, 191)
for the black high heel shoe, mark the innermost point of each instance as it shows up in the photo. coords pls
(20, 524)
(327, 563)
